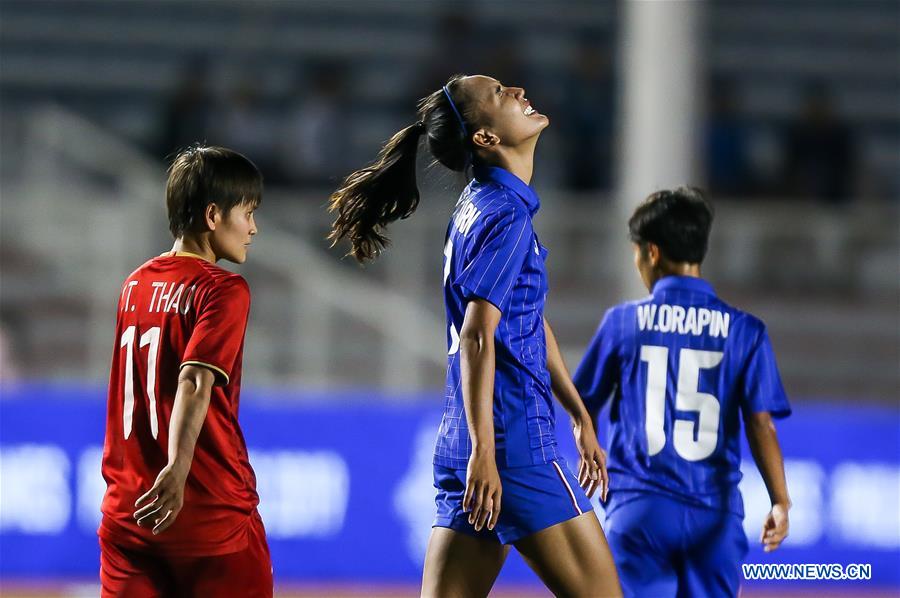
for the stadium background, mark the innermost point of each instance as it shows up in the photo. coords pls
(786, 112)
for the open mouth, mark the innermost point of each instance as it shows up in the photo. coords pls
(528, 110)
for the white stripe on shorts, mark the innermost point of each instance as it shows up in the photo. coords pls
(562, 476)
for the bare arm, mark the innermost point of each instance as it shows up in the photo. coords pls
(162, 503)
(592, 468)
(766, 451)
(477, 367)
(561, 379)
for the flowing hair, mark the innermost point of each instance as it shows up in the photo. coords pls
(385, 191)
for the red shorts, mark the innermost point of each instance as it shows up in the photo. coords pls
(125, 572)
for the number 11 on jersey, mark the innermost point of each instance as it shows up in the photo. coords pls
(151, 337)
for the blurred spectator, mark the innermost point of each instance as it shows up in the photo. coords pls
(187, 113)
(455, 50)
(9, 370)
(314, 141)
(502, 57)
(820, 150)
(727, 166)
(245, 126)
(587, 118)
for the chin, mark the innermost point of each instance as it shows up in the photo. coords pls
(237, 258)
(542, 122)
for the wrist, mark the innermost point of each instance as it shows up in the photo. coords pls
(483, 450)
(179, 468)
(581, 419)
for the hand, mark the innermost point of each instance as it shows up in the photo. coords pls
(775, 527)
(483, 490)
(162, 503)
(592, 466)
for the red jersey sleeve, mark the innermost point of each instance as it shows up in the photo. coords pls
(218, 335)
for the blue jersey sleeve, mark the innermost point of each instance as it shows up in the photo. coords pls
(497, 259)
(762, 388)
(598, 372)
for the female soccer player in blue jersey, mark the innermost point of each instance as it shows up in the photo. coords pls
(496, 440)
(682, 368)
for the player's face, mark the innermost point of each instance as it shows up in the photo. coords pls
(234, 233)
(503, 111)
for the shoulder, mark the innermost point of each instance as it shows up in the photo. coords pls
(493, 201)
(506, 211)
(493, 219)
(222, 283)
(141, 270)
(628, 308)
(744, 325)
(615, 316)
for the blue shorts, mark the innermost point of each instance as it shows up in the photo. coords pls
(665, 547)
(535, 497)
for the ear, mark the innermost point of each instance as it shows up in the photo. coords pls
(653, 254)
(484, 138)
(212, 216)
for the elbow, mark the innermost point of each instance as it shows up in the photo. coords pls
(195, 381)
(474, 340)
(760, 425)
(188, 382)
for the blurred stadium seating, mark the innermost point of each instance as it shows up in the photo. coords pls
(88, 90)
(823, 277)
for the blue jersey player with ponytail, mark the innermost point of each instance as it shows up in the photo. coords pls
(682, 369)
(500, 480)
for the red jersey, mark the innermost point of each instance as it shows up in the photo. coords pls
(173, 311)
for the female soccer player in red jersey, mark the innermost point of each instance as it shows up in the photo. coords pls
(496, 440)
(179, 514)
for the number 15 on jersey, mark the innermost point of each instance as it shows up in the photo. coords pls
(687, 398)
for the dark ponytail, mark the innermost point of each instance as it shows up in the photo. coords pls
(377, 195)
(373, 197)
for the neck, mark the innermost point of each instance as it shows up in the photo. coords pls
(197, 246)
(679, 269)
(517, 160)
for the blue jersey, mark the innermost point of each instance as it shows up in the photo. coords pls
(680, 366)
(492, 253)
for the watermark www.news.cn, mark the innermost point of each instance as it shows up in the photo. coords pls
(810, 571)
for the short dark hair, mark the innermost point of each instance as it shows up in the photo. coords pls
(203, 174)
(677, 221)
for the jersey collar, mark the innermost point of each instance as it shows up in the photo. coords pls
(171, 253)
(683, 283)
(507, 179)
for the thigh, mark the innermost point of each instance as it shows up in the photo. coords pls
(537, 497)
(643, 538)
(572, 558)
(130, 574)
(244, 574)
(458, 565)
(716, 547)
